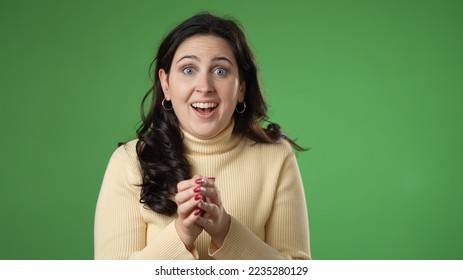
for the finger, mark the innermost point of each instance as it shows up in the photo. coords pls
(205, 181)
(186, 189)
(212, 193)
(185, 209)
(210, 210)
(186, 184)
(187, 194)
(191, 220)
(208, 185)
(210, 182)
(205, 223)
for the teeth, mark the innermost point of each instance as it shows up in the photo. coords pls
(204, 105)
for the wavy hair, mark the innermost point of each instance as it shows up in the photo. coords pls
(160, 148)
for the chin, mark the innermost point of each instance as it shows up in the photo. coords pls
(206, 134)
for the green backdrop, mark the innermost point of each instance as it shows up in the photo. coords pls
(374, 88)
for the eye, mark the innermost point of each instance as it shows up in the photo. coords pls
(219, 71)
(188, 70)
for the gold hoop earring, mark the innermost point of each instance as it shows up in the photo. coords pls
(242, 110)
(164, 106)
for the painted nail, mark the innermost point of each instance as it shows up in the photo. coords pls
(199, 181)
(198, 197)
(197, 212)
(197, 189)
(211, 179)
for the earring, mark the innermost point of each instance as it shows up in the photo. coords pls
(164, 106)
(242, 110)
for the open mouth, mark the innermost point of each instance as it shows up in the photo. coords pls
(204, 108)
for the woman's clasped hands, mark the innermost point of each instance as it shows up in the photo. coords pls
(200, 208)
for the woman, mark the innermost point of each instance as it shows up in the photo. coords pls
(247, 201)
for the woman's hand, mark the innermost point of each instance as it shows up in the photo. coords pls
(214, 219)
(187, 199)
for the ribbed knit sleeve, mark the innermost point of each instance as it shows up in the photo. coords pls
(120, 230)
(286, 229)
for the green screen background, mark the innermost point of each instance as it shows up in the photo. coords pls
(374, 88)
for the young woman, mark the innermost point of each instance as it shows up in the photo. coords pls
(204, 179)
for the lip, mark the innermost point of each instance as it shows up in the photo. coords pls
(203, 101)
(204, 115)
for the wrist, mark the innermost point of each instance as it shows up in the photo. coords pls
(220, 236)
(187, 239)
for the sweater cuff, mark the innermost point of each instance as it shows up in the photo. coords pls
(167, 245)
(242, 244)
(174, 245)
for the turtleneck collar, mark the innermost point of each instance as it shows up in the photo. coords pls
(219, 144)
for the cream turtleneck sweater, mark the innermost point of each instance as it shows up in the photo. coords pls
(260, 188)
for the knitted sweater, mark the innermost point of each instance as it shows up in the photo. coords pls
(260, 187)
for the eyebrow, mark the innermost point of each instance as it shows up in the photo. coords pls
(194, 57)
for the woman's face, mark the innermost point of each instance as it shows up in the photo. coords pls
(203, 85)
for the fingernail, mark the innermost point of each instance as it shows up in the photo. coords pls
(199, 181)
(212, 179)
(197, 212)
(198, 197)
(197, 189)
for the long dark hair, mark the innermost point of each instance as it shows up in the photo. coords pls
(160, 147)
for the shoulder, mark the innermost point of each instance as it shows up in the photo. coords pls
(128, 148)
(126, 151)
(124, 160)
(281, 147)
(272, 153)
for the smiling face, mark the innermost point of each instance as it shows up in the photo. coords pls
(203, 85)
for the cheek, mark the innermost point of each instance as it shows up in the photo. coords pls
(230, 91)
(180, 93)
(233, 98)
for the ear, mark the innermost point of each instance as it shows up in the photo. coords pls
(164, 79)
(242, 92)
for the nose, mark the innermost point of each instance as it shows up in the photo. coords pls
(204, 84)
